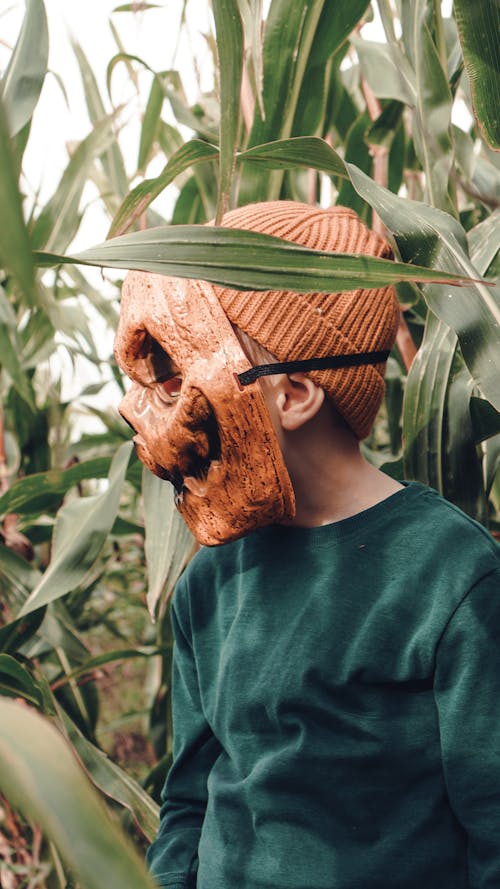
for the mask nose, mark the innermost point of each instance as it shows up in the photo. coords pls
(130, 405)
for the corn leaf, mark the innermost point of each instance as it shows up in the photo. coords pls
(113, 781)
(432, 120)
(289, 35)
(357, 152)
(30, 493)
(387, 70)
(40, 775)
(479, 29)
(299, 40)
(424, 404)
(299, 151)
(150, 124)
(168, 542)
(484, 242)
(22, 82)
(136, 6)
(15, 246)
(111, 158)
(485, 419)
(10, 352)
(59, 220)
(229, 33)
(15, 680)
(462, 471)
(430, 235)
(74, 554)
(142, 195)
(246, 260)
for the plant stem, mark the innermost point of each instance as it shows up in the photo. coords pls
(440, 40)
(4, 484)
(247, 101)
(378, 152)
(404, 342)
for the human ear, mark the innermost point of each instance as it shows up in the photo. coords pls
(299, 400)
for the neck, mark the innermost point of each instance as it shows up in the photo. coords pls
(331, 479)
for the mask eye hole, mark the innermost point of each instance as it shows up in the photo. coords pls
(172, 386)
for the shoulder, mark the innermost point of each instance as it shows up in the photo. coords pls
(449, 521)
(206, 575)
(441, 541)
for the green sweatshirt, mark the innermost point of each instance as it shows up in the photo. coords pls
(336, 696)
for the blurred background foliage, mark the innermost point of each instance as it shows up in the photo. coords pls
(404, 130)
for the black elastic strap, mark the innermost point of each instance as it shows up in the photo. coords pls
(329, 362)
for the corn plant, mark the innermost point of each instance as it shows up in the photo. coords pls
(304, 107)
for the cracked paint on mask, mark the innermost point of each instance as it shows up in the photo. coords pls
(194, 425)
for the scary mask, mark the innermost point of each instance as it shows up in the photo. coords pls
(195, 425)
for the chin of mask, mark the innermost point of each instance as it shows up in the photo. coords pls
(195, 425)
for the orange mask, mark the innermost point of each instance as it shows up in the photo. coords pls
(195, 425)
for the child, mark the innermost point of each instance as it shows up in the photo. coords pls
(336, 680)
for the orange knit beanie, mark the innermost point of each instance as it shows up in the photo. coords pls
(296, 326)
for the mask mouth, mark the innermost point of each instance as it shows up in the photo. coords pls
(197, 485)
(174, 477)
(199, 456)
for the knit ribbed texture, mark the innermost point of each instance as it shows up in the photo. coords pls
(295, 326)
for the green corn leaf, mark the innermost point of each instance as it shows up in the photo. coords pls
(357, 152)
(168, 543)
(142, 195)
(299, 38)
(424, 404)
(29, 493)
(432, 120)
(111, 157)
(462, 470)
(382, 131)
(74, 554)
(491, 470)
(189, 208)
(387, 70)
(136, 6)
(40, 775)
(289, 36)
(484, 242)
(229, 32)
(127, 58)
(397, 159)
(432, 236)
(299, 151)
(18, 634)
(251, 15)
(336, 22)
(15, 246)
(479, 29)
(247, 260)
(150, 124)
(17, 575)
(22, 82)
(113, 781)
(10, 352)
(15, 681)
(110, 657)
(485, 419)
(58, 221)
(341, 111)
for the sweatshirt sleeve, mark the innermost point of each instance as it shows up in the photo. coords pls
(467, 689)
(173, 856)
